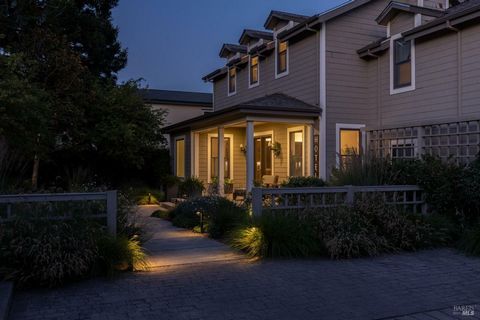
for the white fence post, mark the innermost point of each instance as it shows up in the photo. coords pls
(112, 212)
(257, 202)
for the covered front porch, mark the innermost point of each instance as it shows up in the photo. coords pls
(263, 142)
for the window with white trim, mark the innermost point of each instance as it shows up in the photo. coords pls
(254, 71)
(232, 81)
(402, 63)
(281, 58)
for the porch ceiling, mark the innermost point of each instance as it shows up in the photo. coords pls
(274, 106)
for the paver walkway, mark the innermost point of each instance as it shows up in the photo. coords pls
(423, 285)
(216, 284)
(168, 245)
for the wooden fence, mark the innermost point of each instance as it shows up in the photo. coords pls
(110, 213)
(411, 198)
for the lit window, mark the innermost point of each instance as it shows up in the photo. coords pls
(402, 63)
(180, 158)
(232, 80)
(253, 70)
(282, 52)
(214, 158)
(350, 144)
(296, 154)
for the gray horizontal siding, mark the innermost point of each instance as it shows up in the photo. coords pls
(348, 95)
(443, 70)
(301, 82)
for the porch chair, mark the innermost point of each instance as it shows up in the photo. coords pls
(270, 181)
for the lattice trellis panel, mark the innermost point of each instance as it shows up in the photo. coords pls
(457, 140)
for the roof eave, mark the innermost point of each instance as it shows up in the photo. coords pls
(446, 23)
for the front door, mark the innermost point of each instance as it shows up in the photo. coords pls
(263, 157)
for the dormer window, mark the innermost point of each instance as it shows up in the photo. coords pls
(232, 81)
(254, 72)
(402, 65)
(281, 58)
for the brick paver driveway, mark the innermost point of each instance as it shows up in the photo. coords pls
(423, 285)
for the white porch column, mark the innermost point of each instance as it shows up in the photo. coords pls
(311, 151)
(250, 158)
(221, 161)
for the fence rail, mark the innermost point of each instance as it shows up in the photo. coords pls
(409, 197)
(110, 213)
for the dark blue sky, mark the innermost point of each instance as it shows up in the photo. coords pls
(173, 43)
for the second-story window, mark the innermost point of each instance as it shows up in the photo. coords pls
(402, 60)
(282, 57)
(254, 72)
(232, 81)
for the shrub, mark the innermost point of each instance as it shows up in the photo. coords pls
(345, 234)
(303, 182)
(224, 217)
(191, 187)
(220, 215)
(120, 253)
(365, 171)
(47, 253)
(277, 234)
(471, 241)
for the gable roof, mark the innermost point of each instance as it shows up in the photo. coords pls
(276, 16)
(454, 17)
(249, 34)
(231, 48)
(278, 105)
(155, 96)
(315, 21)
(396, 7)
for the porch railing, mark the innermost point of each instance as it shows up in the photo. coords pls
(409, 197)
(108, 211)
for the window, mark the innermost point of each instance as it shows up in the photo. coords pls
(296, 153)
(180, 158)
(263, 157)
(282, 58)
(403, 148)
(402, 63)
(232, 81)
(214, 158)
(350, 145)
(254, 72)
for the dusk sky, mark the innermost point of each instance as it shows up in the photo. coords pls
(173, 43)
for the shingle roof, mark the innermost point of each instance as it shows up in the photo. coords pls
(231, 48)
(176, 97)
(248, 34)
(459, 11)
(279, 100)
(275, 16)
(396, 7)
(272, 105)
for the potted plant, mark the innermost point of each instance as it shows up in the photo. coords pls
(191, 187)
(227, 186)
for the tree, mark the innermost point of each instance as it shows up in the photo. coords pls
(59, 101)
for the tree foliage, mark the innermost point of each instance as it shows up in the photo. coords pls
(59, 99)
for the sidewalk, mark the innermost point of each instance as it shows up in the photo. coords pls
(169, 246)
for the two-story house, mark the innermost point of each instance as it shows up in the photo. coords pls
(397, 79)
